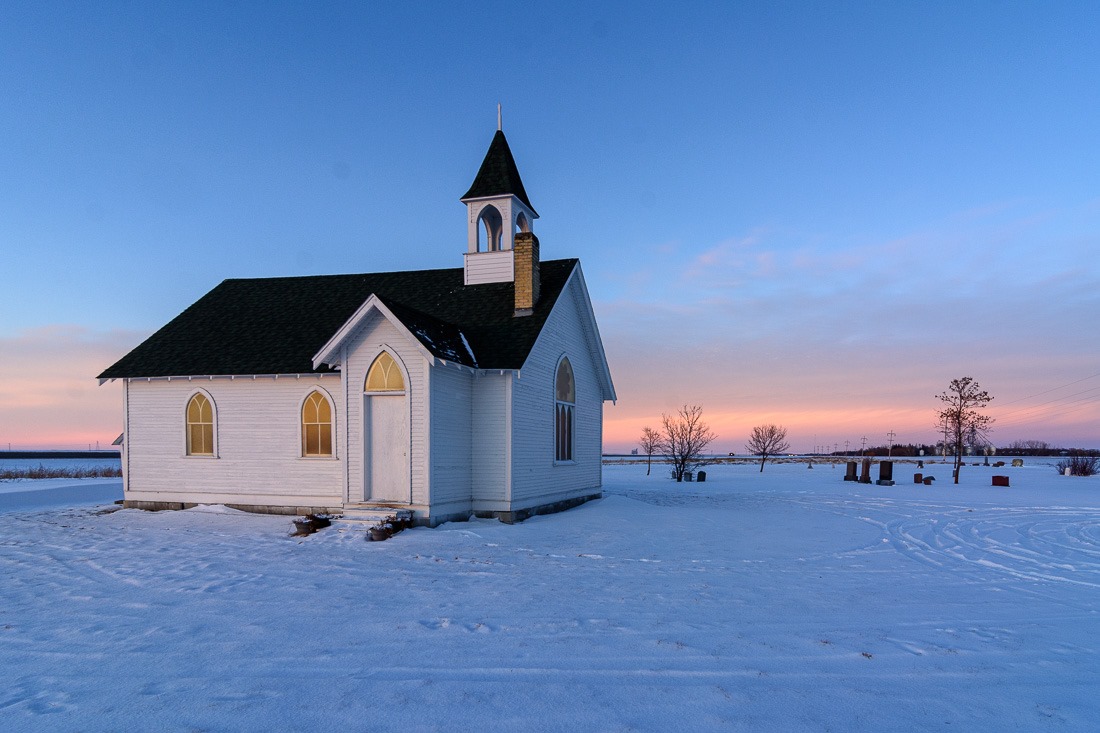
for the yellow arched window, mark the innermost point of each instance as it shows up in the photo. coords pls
(565, 405)
(384, 375)
(200, 426)
(316, 426)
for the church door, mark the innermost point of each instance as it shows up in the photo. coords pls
(386, 434)
(387, 449)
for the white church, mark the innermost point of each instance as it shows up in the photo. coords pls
(476, 390)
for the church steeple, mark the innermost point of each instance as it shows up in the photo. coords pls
(497, 208)
(498, 175)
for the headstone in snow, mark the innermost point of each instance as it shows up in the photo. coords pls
(850, 472)
(865, 471)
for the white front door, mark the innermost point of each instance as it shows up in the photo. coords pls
(387, 450)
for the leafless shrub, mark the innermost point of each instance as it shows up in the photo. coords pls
(1079, 465)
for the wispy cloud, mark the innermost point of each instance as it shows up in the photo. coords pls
(833, 334)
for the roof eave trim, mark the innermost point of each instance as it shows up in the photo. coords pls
(605, 369)
(211, 377)
(527, 207)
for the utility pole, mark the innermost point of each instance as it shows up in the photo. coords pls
(890, 443)
(846, 447)
(864, 448)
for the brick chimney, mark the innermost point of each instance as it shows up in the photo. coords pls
(526, 264)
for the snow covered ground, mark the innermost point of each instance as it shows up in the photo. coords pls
(788, 600)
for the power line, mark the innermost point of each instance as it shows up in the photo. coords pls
(1050, 402)
(1053, 389)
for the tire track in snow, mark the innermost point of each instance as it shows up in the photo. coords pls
(1044, 544)
(1029, 543)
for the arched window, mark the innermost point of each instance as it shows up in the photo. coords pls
(565, 405)
(316, 426)
(384, 375)
(494, 228)
(200, 426)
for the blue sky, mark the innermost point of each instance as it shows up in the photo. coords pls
(807, 213)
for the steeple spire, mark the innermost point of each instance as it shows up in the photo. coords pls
(498, 175)
(497, 210)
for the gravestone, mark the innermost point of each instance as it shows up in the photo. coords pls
(918, 478)
(885, 473)
(1017, 462)
(701, 477)
(850, 471)
(1000, 480)
(865, 471)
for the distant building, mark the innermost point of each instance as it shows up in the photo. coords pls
(474, 390)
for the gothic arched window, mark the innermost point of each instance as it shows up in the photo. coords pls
(565, 405)
(316, 425)
(384, 375)
(200, 426)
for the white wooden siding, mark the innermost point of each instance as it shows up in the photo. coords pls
(490, 441)
(489, 267)
(536, 478)
(451, 436)
(258, 443)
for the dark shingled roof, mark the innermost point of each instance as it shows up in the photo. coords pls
(276, 325)
(498, 174)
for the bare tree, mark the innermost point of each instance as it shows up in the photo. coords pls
(684, 439)
(960, 416)
(651, 443)
(767, 440)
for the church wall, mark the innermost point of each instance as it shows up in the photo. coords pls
(536, 477)
(366, 343)
(490, 449)
(451, 437)
(258, 443)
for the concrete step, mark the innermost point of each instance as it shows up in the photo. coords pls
(371, 515)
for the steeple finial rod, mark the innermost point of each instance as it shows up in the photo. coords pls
(499, 118)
